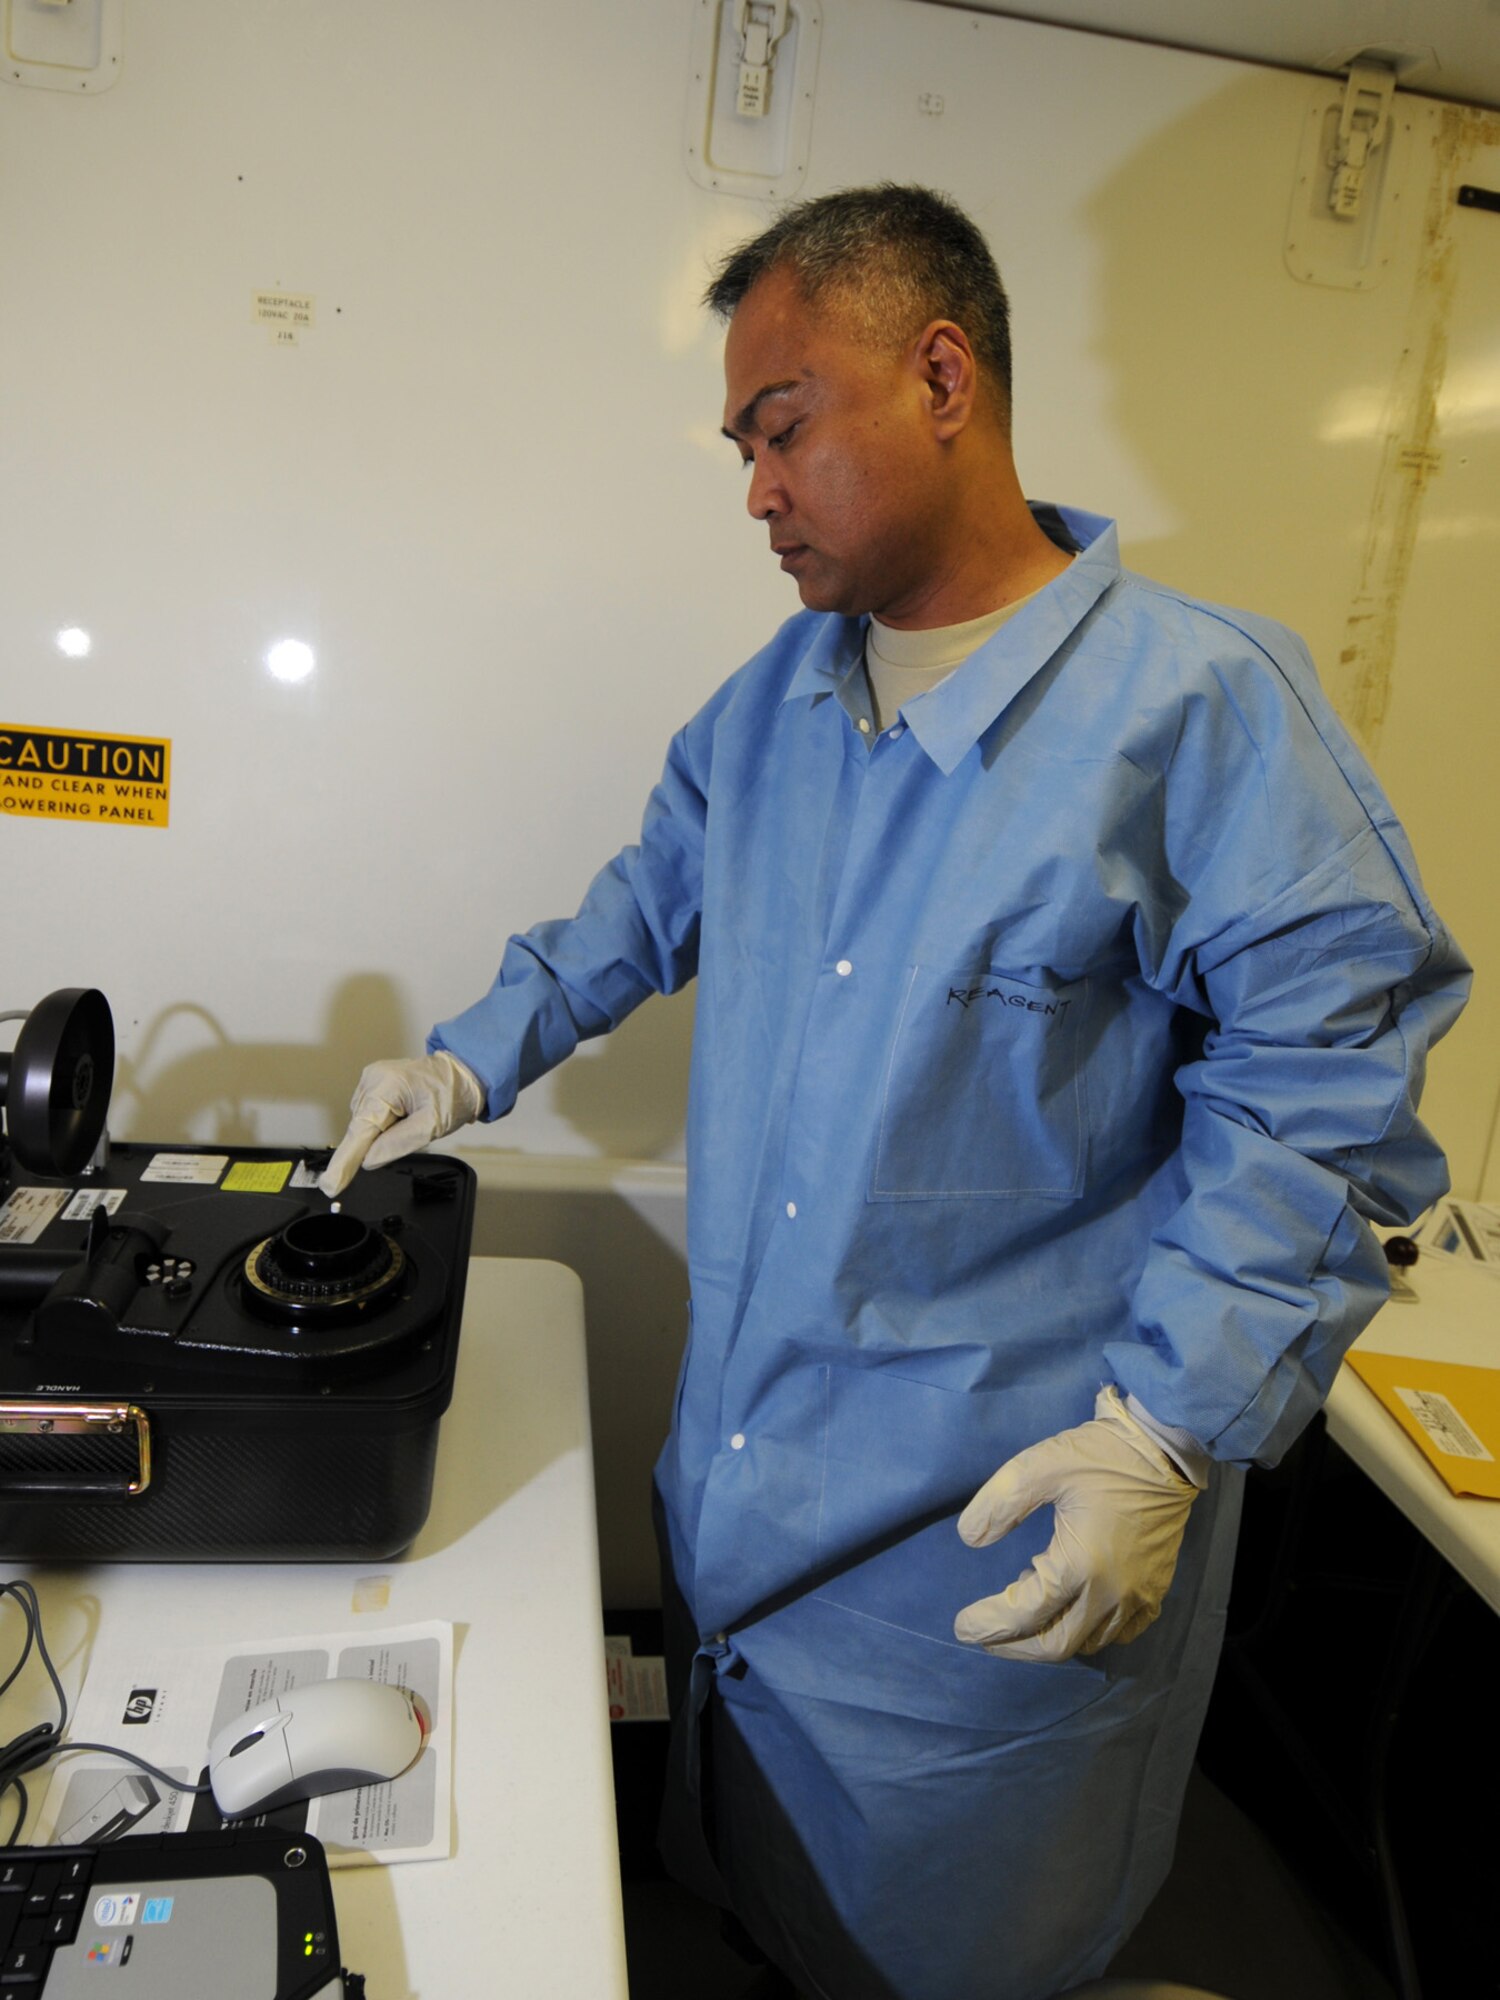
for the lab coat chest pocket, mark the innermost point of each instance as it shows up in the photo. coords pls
(983, 1091)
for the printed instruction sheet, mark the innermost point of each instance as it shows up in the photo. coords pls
(1468, 1231)
(167, 1705)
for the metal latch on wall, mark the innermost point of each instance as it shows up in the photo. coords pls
(1363, 124)
(760, 25)
(60, 44)
(752, 71)
(1342, 222)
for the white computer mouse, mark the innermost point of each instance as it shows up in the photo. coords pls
(326, 1737)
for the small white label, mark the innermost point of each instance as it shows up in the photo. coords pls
(637, 1683)
(28, 1212)
(83, 1204)
(202, 1169)
(112, 1911)
(1446, 1430)
(286, 313)
(303, 1176)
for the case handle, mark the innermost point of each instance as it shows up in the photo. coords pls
(75, 1420)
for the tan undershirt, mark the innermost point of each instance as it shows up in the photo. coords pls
(900, 665)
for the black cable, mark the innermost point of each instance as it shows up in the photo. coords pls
(33, 1748)
(129, 1757)
(39, 1745)
(25, 1595)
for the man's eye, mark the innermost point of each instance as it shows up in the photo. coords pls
(778, 442)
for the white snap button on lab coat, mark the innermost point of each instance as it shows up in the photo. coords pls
(737, 1442)
(864, 726)
(843, 968)
(896, 730)
(791, 1208)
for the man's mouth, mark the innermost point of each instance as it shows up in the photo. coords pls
(789, 552)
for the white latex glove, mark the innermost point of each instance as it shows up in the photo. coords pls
(1119, 1508)
(400, 1107)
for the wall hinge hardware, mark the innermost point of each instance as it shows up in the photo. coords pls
(60, 44)
(760, 25)
(751, 139)
(1363, 124)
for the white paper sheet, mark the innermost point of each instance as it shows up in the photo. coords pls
(166, 1705)
(1467, 1231)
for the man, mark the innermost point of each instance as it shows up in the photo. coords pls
(1064, 988)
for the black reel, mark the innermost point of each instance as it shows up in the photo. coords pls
(56, 1085)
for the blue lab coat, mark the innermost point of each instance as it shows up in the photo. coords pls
(1068, 1031)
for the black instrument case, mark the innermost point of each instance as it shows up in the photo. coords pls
(201, 1360)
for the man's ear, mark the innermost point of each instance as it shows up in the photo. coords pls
(949, 374)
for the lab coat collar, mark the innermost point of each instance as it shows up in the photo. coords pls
(837, 648)
(950, 719)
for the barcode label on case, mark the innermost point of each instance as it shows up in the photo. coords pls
(1446, 1430)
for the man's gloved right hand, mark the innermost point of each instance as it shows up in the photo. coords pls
(1120, 1507)
(400, 1107)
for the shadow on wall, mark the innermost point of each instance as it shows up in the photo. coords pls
(213, 1093)
(1229, 380)
(626, 1095)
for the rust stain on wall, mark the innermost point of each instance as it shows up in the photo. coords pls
(1412, 457)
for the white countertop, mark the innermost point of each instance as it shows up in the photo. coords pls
(529, 1903)
(1455, 1317)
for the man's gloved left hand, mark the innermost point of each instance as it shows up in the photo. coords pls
(1120, 1506)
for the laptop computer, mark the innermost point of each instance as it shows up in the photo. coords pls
(239, 1914)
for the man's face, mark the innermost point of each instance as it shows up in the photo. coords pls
(843, 465)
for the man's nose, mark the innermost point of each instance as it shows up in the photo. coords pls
(764, 498)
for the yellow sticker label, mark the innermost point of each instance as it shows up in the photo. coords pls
(257, 1176)
(84, 774)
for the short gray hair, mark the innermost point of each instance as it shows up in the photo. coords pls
(891, 259)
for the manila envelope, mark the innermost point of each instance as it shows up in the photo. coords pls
(1449, 1411)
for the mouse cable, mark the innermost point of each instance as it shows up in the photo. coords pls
(38, 1746)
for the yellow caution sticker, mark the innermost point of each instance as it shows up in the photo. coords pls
(257, 1176)
(84, 774)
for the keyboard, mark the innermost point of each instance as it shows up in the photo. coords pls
(43, 1893)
